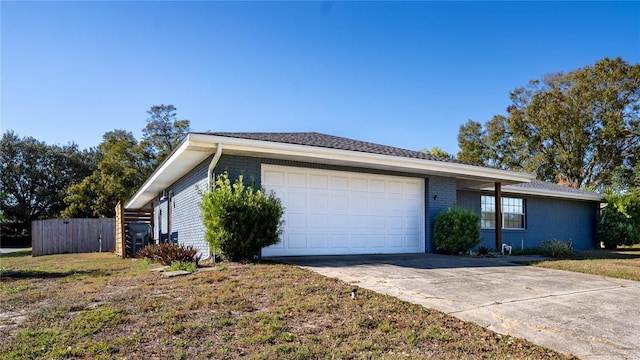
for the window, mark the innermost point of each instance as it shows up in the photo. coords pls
(512, 213)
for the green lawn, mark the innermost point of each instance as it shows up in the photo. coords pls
(623, 263)
(99, 306)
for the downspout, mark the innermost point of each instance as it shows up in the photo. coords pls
(212, 166)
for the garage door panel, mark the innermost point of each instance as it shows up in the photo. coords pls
(273, 178)
(319, 221)
(358, 184)
(295, 200)
(297, 241)
(319, 201)
(376, 241)
(319, 181)
(377, 222)
(319, 241)
(339, 183)
(413, 188)
(358, 222)
(339, 202)
(413, 205)
(412, 241)
(296, 220)
(378, 204)
(377, 186)
(395, 240)
(358, 203)
(394, 187)
(396, 223)
(297, 180)
(332, 212)
(338, 222)
(339, 241)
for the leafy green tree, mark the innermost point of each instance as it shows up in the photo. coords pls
(122, 164)
(240, 220)
(619, 220)
(119, 173)
(163, 132)
(34, 177)
(436, 151)
(578, 128)
(471, 140)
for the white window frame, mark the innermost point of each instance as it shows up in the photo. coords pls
(509, 205)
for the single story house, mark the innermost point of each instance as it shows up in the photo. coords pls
(344, 196)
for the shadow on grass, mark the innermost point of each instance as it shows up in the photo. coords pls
(17, 254)
(606, 254)
(40, 274)
(619, 254)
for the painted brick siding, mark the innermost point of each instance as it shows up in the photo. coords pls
(185, 211)
(441, 195)
(468, 200)
(248, 167)
(545, 219)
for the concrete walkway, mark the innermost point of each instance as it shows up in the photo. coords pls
(592, 317)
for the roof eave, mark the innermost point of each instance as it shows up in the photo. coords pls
(551, 193)
(196, 147)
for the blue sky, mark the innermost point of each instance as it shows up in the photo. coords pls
(406, 74)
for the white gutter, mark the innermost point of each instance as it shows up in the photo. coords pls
(551, 193)
(269, 149)
(213, 164)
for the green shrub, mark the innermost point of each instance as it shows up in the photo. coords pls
(456, 231)
(619, 221)
(556, 249)
(240, 220)
(183, 265)
(168, 253)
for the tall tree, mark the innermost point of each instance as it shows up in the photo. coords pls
(471, 140)
(578, 128)
(436, 151)
(163, 132)
(34, 177)
(120, 171)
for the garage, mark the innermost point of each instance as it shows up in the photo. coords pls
(331, 212)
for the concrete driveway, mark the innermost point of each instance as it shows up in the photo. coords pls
(592, 317)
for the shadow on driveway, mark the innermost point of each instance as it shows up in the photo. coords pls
(593, 317)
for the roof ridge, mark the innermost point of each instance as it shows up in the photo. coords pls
(317, 139)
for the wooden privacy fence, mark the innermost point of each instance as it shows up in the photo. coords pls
(124, 217)
(59, 236)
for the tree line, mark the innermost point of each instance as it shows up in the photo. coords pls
(39, 181)
(579, 129)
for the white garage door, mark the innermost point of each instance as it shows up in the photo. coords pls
(335, 212)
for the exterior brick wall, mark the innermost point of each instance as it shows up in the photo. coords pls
(545, 219)
(441, 195)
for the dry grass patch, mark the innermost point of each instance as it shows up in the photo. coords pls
(98, 306)
(623, 263)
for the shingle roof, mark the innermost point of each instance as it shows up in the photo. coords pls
(543, 185)
(332, 142)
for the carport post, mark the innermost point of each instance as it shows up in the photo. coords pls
(498, 202)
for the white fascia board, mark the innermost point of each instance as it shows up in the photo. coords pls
(196, 147)
(180, 162)
(548, 193)
(554, 194)
(377, 160)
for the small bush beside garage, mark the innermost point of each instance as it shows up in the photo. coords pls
(456, 231)
(240, 220)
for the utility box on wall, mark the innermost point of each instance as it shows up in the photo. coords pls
(138, 236)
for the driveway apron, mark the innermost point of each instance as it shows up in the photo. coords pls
(592, 317)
